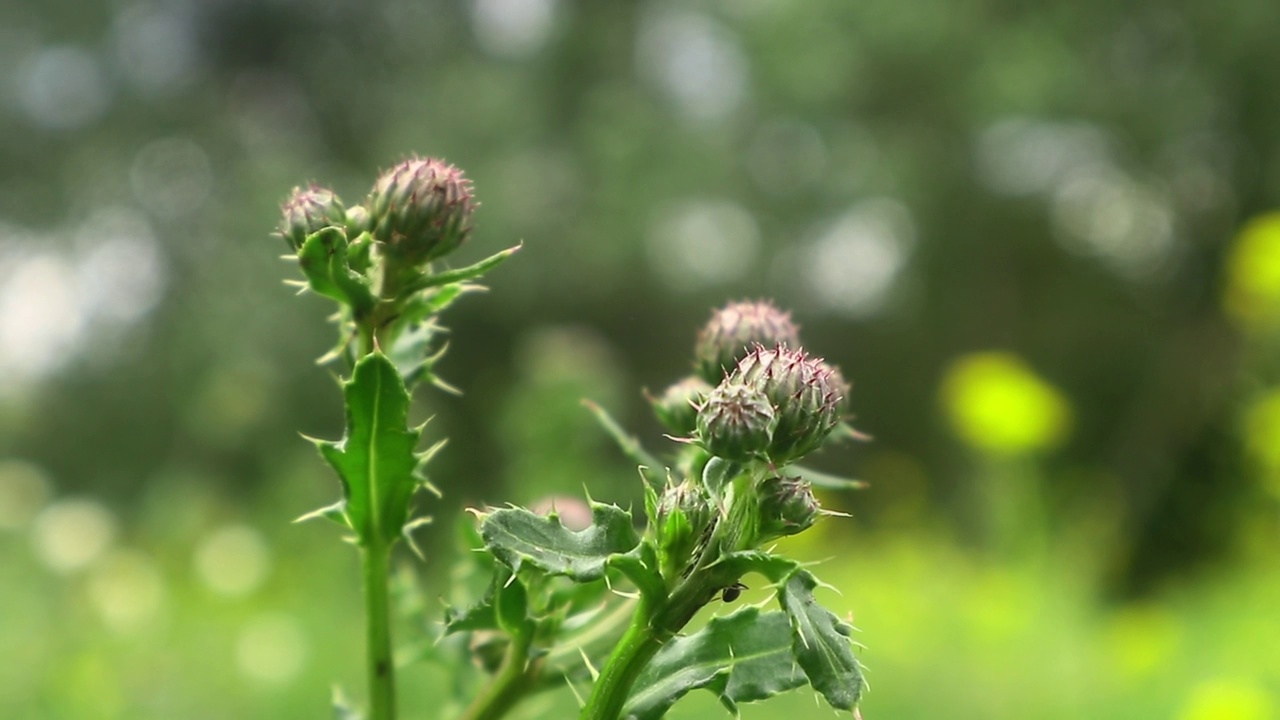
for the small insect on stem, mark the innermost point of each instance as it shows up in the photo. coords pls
(732, 592)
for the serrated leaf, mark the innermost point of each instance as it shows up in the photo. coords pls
(323, 258)
(375, 460)
(744, 657)
(774, 567)
(820, 642)
(520, 538)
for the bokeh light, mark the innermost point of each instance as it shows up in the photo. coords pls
(1253, 273)
(70, 534)
(232, 560)
(997, 404)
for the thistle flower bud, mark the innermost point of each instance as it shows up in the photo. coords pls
(807, 396)
(677, 407)
(787, 507)
(421, 208)
(309, 210)
(358, 220)
(736, 328)
(684, 513)
(737, 421)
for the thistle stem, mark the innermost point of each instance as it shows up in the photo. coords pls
(514, 678)
(634, 651)
(382, 679)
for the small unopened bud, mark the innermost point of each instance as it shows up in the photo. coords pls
(737, 422)
(309, 210)
(677, 407)
(787, 507)
(736, 328)
(421, 208)
(358, 220)
(807, 395)
(684, 513)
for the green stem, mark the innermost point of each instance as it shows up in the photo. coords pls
(382, 679)
(636, 648)
(515, 677)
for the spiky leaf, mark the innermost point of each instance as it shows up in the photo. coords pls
(375, 460)
(744, 657)
(521, 538)
(821, 643)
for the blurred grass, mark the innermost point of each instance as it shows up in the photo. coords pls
(945, 633)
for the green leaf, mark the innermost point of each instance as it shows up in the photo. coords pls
(522, 538)
(375, 460)
(820, 479)
(470, 272)
(744, 657)
(774, 567)
(820, 642)
(324, 261)
(641, 567)
(626, 442)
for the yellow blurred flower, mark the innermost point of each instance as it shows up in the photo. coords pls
(1228, 699)
(999, 405)
(1252, 294)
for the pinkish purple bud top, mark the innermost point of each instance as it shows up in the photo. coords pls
(309, 210)
(737, 422)
(421, 208)
(736, 328)
(808, 397)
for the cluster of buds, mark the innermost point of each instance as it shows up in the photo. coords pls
(420, 210)
(778, 403)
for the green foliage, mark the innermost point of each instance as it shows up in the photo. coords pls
(744, 657)
(522, 538)
(375, 460)
(820, 643)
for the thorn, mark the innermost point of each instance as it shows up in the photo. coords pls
(595, 674)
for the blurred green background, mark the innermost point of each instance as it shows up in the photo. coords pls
(1040, 238)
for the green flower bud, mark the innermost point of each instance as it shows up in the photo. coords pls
(677, 407)
(358, 220)
(736, 328)
(684, 512)
(807, 395)
(787, 507)
(737, 421)
(421, 208)
(308, 210)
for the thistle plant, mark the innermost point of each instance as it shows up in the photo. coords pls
(603, 606)
(375, 261)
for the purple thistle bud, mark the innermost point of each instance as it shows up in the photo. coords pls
(734, 329)
(737, 422)
(683, 514)
(677, 407)
(421, 208)
(808, 397)
(787, 507)
(309, 210)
